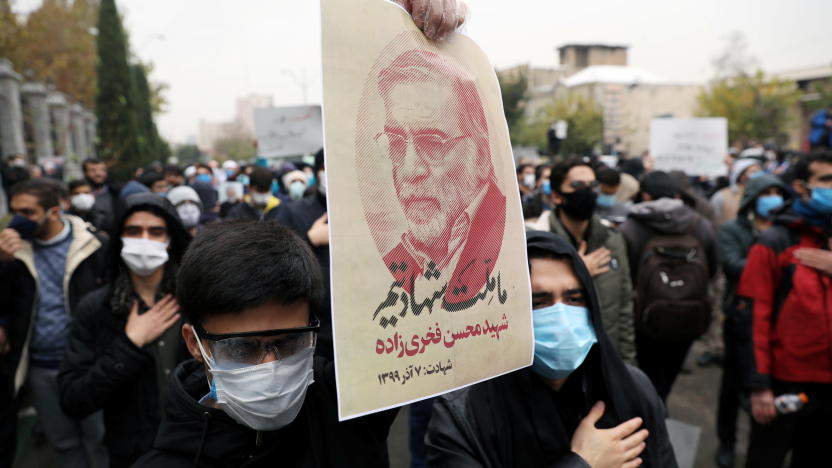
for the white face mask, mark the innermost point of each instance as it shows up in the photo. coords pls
(260, 199)
(322, 183)
(143, 256)
(189, 214)
(82, 201)
(264, 397)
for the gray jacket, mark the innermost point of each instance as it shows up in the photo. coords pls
(614, 287)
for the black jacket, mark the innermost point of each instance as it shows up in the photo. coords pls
(737, 236)
(669, 217)
(516, 420)
(193, 435)
(103, 369)
(87, 266)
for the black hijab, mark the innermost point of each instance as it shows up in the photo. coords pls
(522, 422)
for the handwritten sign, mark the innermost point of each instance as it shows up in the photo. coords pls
(695, 146)
(288, 131)
(430, 282)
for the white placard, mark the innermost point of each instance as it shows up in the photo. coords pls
(288, 131)
(696, 146)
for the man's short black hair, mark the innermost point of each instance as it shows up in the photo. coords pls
(801, 169)
(608, 176)
(148, 178)
(173, 169)
(237, 265)
(538, 171)
(74, 184)
(522, 167)
(48, 191)
(261, 178)
(89, 161)
(561, 169)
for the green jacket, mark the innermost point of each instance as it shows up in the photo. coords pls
(614, 288)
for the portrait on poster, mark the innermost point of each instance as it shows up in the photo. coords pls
(430, 286)
(438, 219)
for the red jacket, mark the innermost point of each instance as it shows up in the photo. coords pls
(792, 307)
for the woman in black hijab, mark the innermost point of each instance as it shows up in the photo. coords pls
(524, 420)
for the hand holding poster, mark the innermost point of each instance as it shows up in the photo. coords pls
(430, 281)
(695, 146)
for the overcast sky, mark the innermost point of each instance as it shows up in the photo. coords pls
(210, 52)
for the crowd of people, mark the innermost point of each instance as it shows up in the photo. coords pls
(182, 317)
(676, 258)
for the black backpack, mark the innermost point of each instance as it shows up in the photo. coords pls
(672, 301)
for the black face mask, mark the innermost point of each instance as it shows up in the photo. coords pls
(580, 204)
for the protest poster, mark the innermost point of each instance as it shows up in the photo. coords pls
(430, 281)
(696, 146)
(287, 131)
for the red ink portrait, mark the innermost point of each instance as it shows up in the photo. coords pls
(422, 125)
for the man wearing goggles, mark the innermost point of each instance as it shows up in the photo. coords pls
(254, 393)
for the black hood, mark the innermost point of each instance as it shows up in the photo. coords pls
(159, 206)
(604, 362)
(553, 243)
(756, 186)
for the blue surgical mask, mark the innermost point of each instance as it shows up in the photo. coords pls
(563, 336)
(756, 174)
(204, 178)
(605, 200)
(767, 204)
(296, 190)
(547, 187)
(25, 227)
(312, 181)
(821, 200)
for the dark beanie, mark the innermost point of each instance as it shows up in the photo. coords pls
(659, 185)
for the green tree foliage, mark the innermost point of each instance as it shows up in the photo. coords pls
(513, 88)
(585, 120)
(823, 90)
(236, 146)
(187, 154)
(756, 107)
(150, 143)
(55, 44)
(118, 129)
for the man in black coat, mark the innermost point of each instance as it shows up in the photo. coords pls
(567, 410)
(256, 396)
(761, 199)
(125, 340)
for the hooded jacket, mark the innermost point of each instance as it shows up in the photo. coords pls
(103, 369)
(790, 302)
(614, 288)
(516, 420)
(738, 235)
(193, 435)
(86, 269)
(666, 216)
(735, 240)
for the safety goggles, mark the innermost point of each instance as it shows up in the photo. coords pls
(252, 348)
